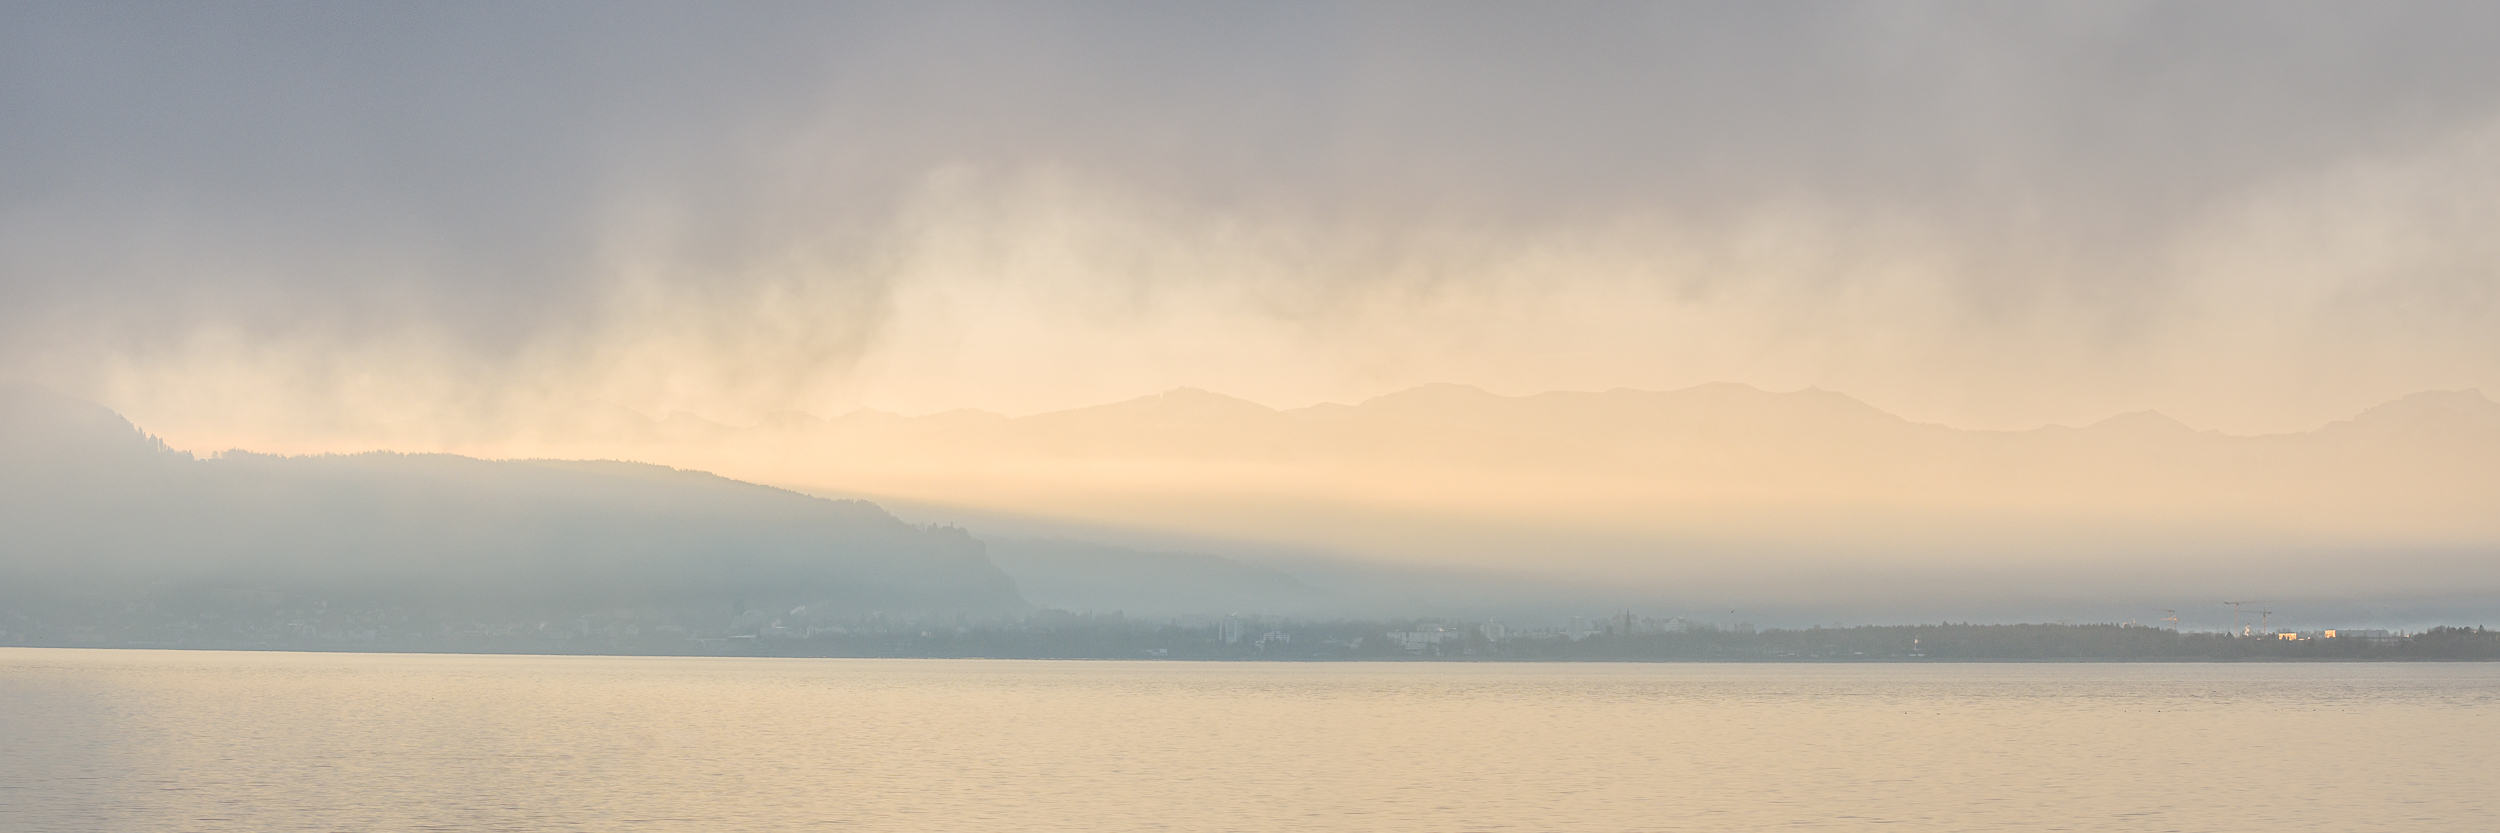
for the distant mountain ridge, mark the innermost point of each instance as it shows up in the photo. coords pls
(1621, 429)
(1721, 461)
(1720, 410)
(1723, 490)
(87, 501)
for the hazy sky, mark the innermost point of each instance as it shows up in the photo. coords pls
(253, 220)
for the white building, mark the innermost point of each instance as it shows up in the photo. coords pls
(1417, 640)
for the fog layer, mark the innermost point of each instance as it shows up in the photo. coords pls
(1717, 492)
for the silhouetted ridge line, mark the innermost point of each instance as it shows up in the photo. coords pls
(95, 509)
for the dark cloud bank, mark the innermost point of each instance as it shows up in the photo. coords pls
(472, 183)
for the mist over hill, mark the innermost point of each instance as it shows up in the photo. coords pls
(1084, 576)
(91, 506)
(1721, 501)
(2420, 467)
(1719, 495)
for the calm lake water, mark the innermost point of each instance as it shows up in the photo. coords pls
(204, 741)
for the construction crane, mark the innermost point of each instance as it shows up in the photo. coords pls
(2173, 619)
(2265, 621)
(2242, 621)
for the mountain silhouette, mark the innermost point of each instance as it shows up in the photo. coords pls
(1726, 463)
(88, 503)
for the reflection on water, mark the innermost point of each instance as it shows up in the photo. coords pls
(146, 741)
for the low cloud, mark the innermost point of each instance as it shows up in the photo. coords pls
(428, 227)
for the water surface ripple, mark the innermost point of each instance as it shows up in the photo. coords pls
(212, 741)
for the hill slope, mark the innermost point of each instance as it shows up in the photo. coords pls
(88, 504)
